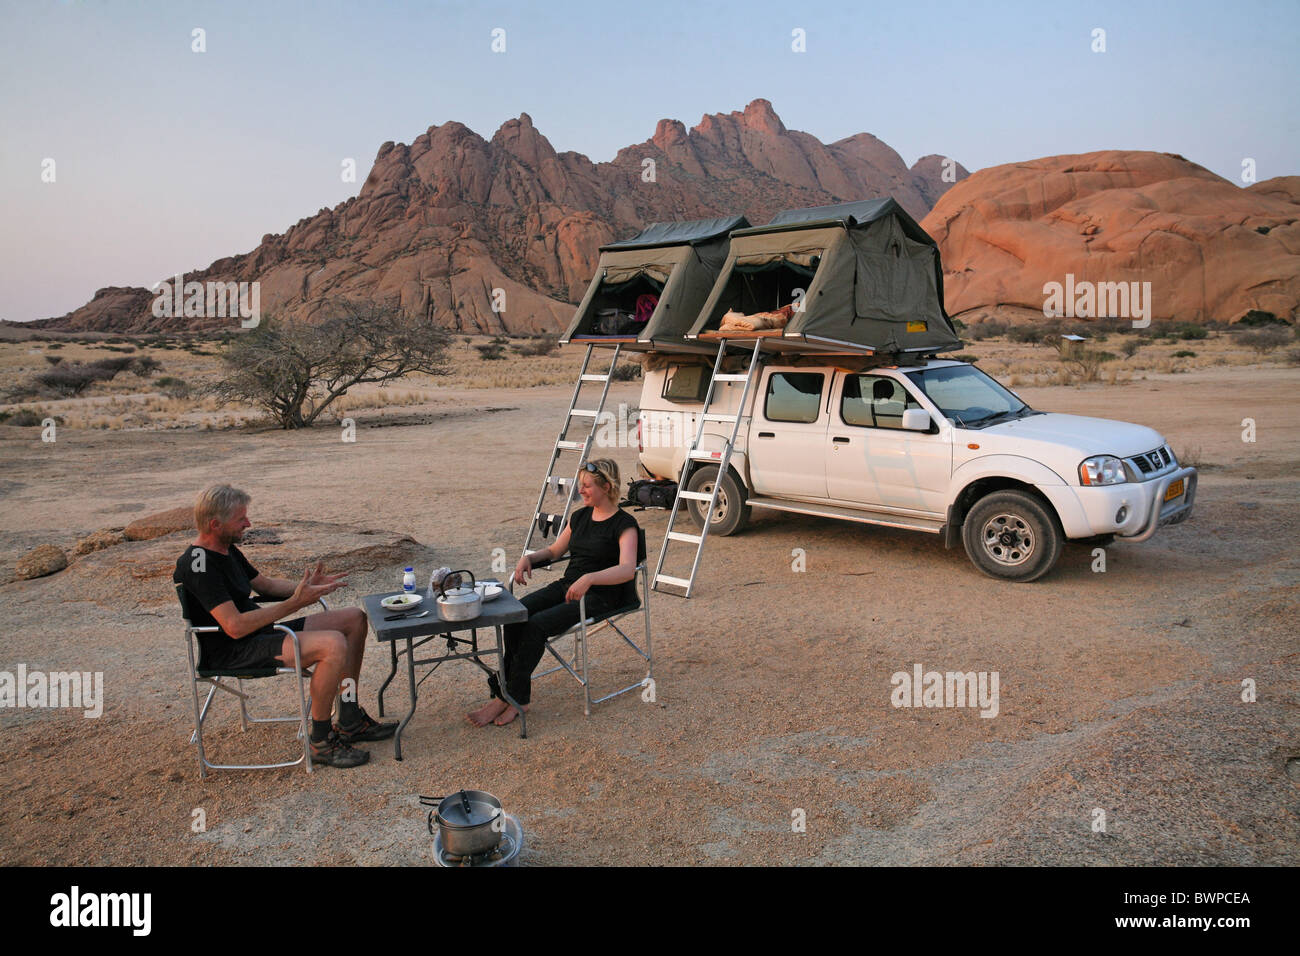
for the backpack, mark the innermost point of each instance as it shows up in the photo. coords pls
(651, 493)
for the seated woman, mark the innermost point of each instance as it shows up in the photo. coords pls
(603, 539)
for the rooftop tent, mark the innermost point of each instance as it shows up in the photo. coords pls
(675, 263)
(861, 276)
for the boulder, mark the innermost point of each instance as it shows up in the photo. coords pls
(42, 560)
(101, 539)
(1208, 248)
(162, 523)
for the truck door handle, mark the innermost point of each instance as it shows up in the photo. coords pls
(767, 434)
(840, 441)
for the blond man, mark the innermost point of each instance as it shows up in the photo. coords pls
(219, 582)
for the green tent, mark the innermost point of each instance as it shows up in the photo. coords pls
(862, 276)
(676, 262)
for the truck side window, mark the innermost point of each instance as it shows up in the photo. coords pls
(794, 397)
(686, 383)
(875, 401)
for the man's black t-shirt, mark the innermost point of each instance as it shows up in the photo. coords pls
(211, 579)
(593, 546)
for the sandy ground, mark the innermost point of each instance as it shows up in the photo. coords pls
(1120, 691)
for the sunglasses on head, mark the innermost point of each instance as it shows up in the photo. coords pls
(588, 466)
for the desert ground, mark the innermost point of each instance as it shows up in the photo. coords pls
(1121, 691)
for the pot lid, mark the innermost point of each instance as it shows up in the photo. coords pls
(453, 814)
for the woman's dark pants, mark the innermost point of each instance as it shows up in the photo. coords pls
(548, 614)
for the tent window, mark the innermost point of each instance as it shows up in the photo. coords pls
(794, 397)
(765, 287)
(614, 309)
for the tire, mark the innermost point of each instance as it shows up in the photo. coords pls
(730, 513)
(1012, 536)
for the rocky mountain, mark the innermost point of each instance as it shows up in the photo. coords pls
(440, 223)
(1208, 248)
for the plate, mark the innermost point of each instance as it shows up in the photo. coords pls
(401, 602)
(488, 592)
(1174, 490)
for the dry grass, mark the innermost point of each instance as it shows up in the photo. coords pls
(132, 402)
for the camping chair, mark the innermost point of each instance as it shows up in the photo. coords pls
(591, 624)
(216, 677)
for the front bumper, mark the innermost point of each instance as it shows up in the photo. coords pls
(1161, 512)
(1089, 511)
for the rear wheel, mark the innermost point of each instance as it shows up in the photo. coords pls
(1013, 536)
(730, 513)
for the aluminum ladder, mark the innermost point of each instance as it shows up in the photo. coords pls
(694, 453)
(563, 444)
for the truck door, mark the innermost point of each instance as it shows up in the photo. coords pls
(872, 461)
(787, 435)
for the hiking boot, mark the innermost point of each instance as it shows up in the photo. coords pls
(366, 728)
(334, 752)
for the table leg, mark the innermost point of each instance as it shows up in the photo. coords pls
(410, 674)
(392, 672)
(501, 679)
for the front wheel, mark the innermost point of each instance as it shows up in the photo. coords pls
(730, 513)
(1013, 536)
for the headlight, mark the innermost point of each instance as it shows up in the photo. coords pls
(1102, 470)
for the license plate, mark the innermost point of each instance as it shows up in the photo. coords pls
(1174, 490)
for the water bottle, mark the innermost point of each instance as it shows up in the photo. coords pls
(408, 580)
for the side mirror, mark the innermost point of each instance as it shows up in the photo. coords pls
(916, 420)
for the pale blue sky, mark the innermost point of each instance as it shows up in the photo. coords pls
(168, 159)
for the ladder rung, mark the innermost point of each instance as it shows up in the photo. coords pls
(666, 579)
(688, 538)
(718, 417)
(586, 412)
(572, 445)
(706, 456)
(730, 378)
(694, 496)
(595, 378)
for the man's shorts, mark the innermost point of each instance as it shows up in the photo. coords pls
(254, 652)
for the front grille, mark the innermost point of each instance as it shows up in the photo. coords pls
(1153, 461)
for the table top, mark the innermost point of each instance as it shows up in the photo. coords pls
(505, 609)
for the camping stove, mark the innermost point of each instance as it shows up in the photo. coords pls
(505, 853)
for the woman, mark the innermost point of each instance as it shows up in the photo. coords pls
(603, 541)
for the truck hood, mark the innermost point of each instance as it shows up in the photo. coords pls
(1085, 436)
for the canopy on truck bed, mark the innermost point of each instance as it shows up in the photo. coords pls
(858, 276)
(647, 290)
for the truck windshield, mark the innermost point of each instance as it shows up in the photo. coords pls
(968, 397)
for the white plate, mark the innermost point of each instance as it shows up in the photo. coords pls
(488, 592)
(401, 602)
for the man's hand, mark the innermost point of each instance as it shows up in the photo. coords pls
(315, 584)
(318, 577)
(578, 588)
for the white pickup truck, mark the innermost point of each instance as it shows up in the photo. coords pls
(938, 447)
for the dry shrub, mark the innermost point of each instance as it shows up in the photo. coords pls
(1081, 363)
(1265, 340)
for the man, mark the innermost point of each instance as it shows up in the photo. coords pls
(219, 582)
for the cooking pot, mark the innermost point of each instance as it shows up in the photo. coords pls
(459, 603)
(469, 822)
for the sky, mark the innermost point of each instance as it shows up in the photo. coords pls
(166, 158)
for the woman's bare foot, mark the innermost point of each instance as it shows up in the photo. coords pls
(487, 713)
(508, 715)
